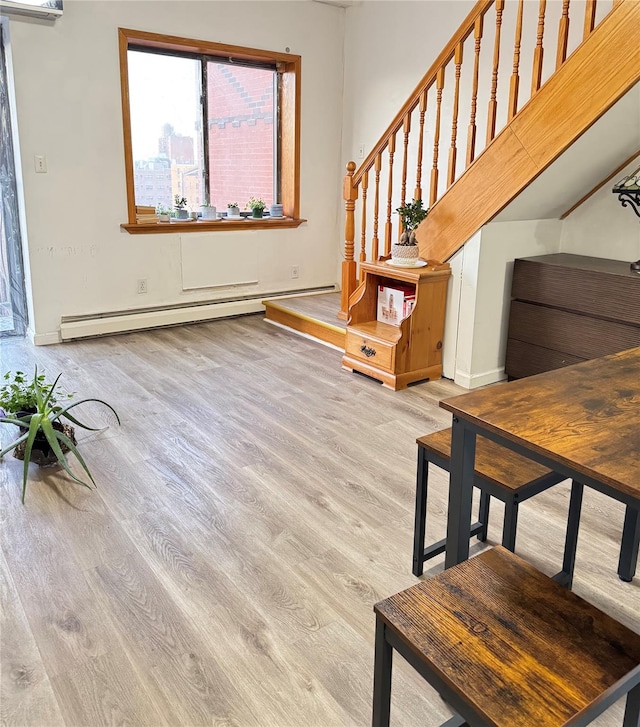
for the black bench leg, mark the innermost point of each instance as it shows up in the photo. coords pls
(382, 678)
(632, 710)
(420, 514)
(630, 544)
(510, 524)
(483, 515)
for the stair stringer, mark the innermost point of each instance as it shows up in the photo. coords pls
(601, 70)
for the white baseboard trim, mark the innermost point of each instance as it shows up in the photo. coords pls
(101, 326)
(44, 339)
(474, 381)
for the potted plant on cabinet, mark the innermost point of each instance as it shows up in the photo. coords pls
(45, 438)
(233, 210)
(256, 205)
(180, 203)
(405, 251)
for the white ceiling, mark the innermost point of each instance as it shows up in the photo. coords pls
(592, 158)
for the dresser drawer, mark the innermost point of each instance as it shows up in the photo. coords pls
(592, 286)
(375, 352)
(572, 333)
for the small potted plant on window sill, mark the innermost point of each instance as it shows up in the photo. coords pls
(405, 251)
(164, 213)
(209, 212)
(180, 203)
(256, 205)
(233, 210)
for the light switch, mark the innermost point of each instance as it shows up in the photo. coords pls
(40, 161)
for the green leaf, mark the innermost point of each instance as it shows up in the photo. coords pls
(73, 420)
(51, 390)
(83, 401)
(34, 425)
(74, 450)
(52, 437)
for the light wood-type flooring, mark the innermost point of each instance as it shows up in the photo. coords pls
(255, 503)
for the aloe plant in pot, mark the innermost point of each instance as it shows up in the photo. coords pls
(41, 423)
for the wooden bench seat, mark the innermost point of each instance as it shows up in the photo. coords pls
(499, 473)
(504, 645)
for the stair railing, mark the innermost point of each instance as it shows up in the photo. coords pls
(378, 187)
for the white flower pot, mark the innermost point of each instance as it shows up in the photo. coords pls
(405, 253)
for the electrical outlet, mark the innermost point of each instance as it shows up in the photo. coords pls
(40, 162)
(142, 285)
(295, 272)
(361, 151)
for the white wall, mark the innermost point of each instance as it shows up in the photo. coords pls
(481, 335)
(68, 108)
(389, 46)
(601, 227)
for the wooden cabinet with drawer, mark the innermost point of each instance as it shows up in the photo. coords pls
(570, 308)
(411, 351)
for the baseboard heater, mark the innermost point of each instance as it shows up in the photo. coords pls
(103, 324)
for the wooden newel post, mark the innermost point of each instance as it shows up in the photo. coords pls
(349, 278)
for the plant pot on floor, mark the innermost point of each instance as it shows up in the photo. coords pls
(41, 452)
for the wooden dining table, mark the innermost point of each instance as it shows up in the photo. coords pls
(582, 421)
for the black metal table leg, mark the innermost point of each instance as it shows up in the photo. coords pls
(632, 710)
(463, 453)
(630, 543)
(382, 678)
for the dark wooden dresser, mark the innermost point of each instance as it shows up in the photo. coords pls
(570, 308)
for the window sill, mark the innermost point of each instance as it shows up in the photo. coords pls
(155, 228)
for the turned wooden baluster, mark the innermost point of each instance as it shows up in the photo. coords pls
(406, 128)
(471, 133)
(376, 201)
(387, 227)
(589, 18)
(563, 34)
(515, 76)
(453, 151)
(349, 278)
(538, 53)
(433, 195)
(493, 103)
(417, 193)
(363, 233)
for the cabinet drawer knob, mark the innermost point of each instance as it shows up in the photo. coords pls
(367, 351)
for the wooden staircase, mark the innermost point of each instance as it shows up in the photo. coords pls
(478, 177)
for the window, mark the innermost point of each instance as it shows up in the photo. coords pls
(210, 122)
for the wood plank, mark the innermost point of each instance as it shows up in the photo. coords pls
(26, 697)
(106, 690)
(591, 80)
(327, 332)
